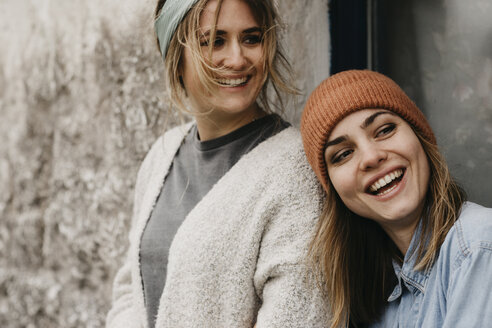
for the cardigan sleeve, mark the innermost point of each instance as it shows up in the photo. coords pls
(283, 281)
(123, 312)
(291, 299)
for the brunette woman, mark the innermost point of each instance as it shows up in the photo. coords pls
(397, 243)
(225, 205)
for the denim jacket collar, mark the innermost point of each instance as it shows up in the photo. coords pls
(413, 280)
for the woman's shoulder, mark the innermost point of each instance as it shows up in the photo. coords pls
(277, 166)
(172, 137)
(282, 154)
(167, 142)
(162, 151)
(472, 230)
(288, 136)
(474, 225)
(284, 146)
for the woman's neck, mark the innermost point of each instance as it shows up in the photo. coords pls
(217, 124)
(402, 236)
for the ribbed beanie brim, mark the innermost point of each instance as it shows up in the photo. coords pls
(343, 94)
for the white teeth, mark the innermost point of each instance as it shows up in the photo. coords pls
(388, 178)
(387, 191)
(233, 82)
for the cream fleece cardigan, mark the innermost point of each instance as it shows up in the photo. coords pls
(239, 258)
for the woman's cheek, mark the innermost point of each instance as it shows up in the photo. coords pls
(340, 181)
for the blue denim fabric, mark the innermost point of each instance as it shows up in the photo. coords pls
(457, 290)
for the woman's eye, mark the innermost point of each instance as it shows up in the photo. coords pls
(217, 43)
(386, 129)
(341, 155)
(252, 39)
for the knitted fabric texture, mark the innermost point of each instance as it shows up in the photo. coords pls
(239, 257)
(345, 93)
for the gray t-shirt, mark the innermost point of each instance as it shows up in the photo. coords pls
(196, 167)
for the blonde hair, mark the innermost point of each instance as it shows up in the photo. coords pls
(353, 255)
(278, 72)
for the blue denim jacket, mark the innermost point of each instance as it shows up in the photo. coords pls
(457, 290)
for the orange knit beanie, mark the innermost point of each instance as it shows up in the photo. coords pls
(347, 92)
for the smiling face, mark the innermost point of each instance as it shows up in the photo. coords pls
(238, 52)
(379, 169)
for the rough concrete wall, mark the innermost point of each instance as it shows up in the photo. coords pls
(440, 51)
(81, 102)
(306, 42)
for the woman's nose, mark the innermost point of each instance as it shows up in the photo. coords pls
(235, 57)
(372, 156)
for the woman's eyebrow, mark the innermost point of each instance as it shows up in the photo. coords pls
(253, 30)
(369, 120)
(217, 32)
(247, 31)
(336, 141)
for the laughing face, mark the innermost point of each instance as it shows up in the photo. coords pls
(379, 168)
(237, 50)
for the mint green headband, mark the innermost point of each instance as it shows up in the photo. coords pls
(166, 24)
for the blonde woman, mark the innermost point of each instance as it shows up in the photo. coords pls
(225, 205)
(397, 243)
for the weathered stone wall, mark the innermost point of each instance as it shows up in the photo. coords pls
(81, 101)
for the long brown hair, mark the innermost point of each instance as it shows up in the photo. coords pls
(278, 77)
(353, 255)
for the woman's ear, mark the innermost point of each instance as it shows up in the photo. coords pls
(181, 82)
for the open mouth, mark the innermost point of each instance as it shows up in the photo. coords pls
(237, 82)
(387, 183)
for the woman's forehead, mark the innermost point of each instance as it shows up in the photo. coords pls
(362, 118)
(231, 12)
